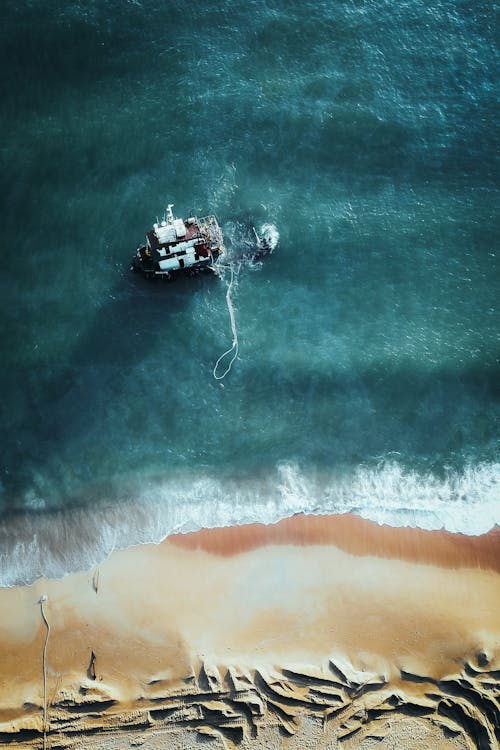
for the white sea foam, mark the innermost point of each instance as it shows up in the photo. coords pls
(270, 235)
(58, 543)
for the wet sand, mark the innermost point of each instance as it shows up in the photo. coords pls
(304, 633)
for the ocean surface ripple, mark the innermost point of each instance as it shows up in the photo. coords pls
(368, 372)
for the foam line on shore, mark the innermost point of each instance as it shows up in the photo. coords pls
(60, 542)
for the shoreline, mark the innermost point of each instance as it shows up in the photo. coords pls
(38, 538)
(356, 535)
(239, 633)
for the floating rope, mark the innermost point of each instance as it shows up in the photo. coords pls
(234, 346)
(266, 242)
(44, 667)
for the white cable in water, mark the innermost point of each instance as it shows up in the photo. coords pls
(234, 346)
(44, 667)
(266, 242)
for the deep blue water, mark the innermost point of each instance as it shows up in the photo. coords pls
(368, 368)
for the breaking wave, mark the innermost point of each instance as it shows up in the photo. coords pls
(54, 544)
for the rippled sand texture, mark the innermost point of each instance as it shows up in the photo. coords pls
(314, 632)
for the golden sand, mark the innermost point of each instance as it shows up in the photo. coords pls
(307, 633)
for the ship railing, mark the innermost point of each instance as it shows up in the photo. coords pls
(209, 226)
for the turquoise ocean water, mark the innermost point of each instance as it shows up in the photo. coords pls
(368, 370)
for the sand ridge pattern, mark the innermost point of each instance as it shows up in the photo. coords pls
(236, 705)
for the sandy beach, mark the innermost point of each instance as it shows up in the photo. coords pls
(315, 632)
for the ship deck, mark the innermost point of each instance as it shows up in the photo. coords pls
(192, 231)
